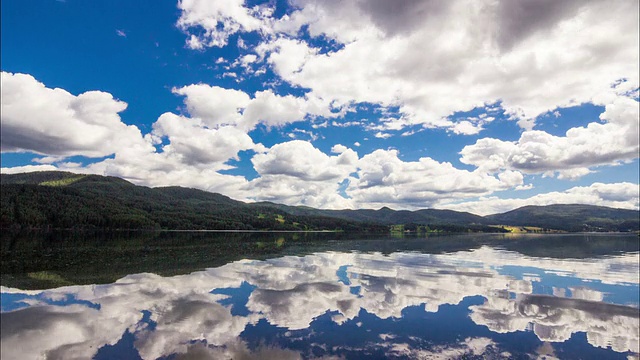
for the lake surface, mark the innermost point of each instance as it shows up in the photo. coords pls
(291, 296)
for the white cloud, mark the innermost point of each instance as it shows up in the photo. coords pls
(27, 168)
(274, 110)
(58, 124)
(557, 319)
(338, 149)
(466, 128)
(218, 20)
(54, 122)
(526, 59)
(384, 179)
(532, 57)
(617, 195)
(381, 135)
(214, 105)
(195, 144)
(301, 160)
(248, 59)
(297, 173)
(190, 150)
(48, 159)
(607, 143)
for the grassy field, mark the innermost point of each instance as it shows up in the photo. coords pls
(62, 182)
(526, 229)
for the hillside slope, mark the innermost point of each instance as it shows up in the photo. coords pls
(388, 216)
(571, 217)
(66, 200)
(54, 199)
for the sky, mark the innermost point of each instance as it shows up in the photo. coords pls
(480, 106)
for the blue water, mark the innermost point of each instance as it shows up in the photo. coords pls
(484, 302)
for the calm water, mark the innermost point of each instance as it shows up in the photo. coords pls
(290, 296)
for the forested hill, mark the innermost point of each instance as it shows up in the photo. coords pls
(571, 217)
(388, 216)
(65, 200)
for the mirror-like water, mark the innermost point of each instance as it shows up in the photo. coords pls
(489, 296)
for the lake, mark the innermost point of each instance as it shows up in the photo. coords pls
(212, 295)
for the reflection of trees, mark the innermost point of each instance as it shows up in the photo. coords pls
(186, 318)
(103, 257)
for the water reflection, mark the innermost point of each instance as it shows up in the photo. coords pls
(487, 302)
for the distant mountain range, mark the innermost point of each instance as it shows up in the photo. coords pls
(54, 199)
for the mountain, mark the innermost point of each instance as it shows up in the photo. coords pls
(57, 199)
(388, 216)
(572, 217)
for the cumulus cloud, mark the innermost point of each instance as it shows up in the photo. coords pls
(466, 128)
(338, 149)
(296, 172)
(211, 23)
(274, 110)
(54, 122)
(523, 58)
(300, 159)
(195, 144)
(532, 56)
(190, 149)
(385, 179)
(180, 150)
(216, 106)
(28, 168)
(571, 156)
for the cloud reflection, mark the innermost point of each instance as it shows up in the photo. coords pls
(555, 319)
(187, 318)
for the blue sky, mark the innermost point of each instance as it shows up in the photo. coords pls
(472, 106)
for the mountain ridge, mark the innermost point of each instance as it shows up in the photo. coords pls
(65, 199)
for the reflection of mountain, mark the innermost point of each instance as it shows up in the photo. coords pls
(88, 258)
(304, 300)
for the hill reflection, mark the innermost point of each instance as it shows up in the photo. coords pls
(481, 302)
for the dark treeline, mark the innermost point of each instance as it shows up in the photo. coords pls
(61, 200)
(97, 202)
